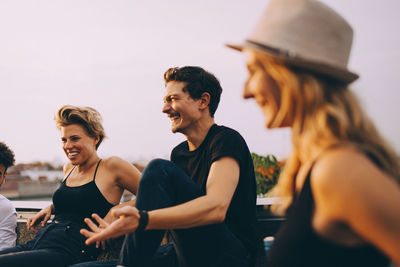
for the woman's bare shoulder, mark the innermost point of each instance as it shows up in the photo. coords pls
(345, 176)
(344, 165)
(67, 168)
(114, 162)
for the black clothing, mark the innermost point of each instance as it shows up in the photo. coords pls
(163, 185)
(222, 142)
(297, 244)
(60, 243)
(79, 202)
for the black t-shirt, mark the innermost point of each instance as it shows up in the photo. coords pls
(224, 142)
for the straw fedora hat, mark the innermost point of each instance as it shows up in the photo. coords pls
(305, 34)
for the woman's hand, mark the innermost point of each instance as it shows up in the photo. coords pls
(40, 219)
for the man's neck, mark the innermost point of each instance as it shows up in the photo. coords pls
(198, 133)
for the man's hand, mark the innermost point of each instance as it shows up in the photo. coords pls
(127, 222)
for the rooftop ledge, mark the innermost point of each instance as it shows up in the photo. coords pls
(40, 204)
(26, 209)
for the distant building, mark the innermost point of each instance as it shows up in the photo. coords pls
(40, 180)
(32, 180)
(40, 174)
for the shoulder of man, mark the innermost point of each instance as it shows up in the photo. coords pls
(227, 142)
(182, 147)
(6, 207)
(226, 133)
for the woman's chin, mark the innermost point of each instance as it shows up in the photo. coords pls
(272, 124)
(74, 162)
(268, 123)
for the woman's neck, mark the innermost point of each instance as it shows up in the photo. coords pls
(87, 165)
(309, 151)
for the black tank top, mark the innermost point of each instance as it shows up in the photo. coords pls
(297, 244)
(79, 202)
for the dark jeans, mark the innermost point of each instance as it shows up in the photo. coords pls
(58, 244)
(164, 257)
(163, 185)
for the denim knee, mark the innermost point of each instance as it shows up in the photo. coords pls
(155, 170)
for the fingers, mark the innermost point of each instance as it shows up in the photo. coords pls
(33, 229)
(93, 237)
(101, 244)
(45, 219)
(92, 225)
(107, 231)
(86, 233)
(102, 223)
(28, 223)
(31, 222)
(95, 229)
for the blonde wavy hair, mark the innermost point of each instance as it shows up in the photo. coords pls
(323, 112)
(89, 118)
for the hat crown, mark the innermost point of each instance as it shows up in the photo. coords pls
(305, 29)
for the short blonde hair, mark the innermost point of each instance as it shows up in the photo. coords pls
(89, 118)
(323, 111)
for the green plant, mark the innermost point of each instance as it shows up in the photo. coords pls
(267, 169)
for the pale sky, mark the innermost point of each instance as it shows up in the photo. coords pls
(111, 55)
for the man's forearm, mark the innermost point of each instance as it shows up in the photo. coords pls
(200, 211)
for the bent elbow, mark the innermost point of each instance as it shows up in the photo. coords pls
(220, 214)
(221, 218)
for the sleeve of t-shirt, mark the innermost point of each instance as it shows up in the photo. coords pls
(8, 224)
(229, 144)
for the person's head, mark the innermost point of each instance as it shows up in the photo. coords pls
(197, 82)
(81, 131)
(7, 159)
(318, 108)
(298, 76)
(192, 96)
(297, 57)
(297, 44)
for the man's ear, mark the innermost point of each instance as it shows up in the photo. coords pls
(204, 100)
(3, 178)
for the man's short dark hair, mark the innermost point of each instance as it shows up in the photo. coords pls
(6, 156)
(198, 81)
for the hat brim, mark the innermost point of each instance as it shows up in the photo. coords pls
(341, 74)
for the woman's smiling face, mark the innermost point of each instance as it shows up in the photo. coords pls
(77, 144)
(262, 88)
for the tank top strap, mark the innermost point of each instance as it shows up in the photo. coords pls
(65, 179)
(320, 154)
(95, 171)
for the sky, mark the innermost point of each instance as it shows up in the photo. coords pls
(111, 55)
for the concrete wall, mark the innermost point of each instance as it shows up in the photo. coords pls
(37, 188)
